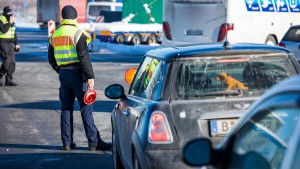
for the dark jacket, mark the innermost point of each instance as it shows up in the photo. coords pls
(84, 60)
(4, 28)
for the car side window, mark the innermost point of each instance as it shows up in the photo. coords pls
(147, 78)
(151, 90)
(293, 34)
(268, 131)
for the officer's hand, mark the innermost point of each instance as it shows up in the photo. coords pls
(90, 84)
(11, 19)
(17, 47)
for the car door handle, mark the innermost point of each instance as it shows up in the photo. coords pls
(127, 112)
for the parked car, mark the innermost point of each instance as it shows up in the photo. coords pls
(291, 40)
(179, 93)
(266, 137)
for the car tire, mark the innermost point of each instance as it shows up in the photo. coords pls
(136, 163)
(119, 39)
(136, 39)
(152, 39)
(271, 40)
(117, 163)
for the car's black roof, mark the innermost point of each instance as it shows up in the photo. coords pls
(295, 26)
(169, 53)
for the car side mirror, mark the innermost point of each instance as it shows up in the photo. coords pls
(114, 91)
(197, 152)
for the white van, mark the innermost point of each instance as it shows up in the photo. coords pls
(208, 21)
(95, 8)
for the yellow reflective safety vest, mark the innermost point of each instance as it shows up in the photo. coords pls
(10, 34)
(150, 68)
(64, 42)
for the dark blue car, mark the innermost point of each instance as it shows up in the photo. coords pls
(185, 92)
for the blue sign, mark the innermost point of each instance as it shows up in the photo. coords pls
(294, 5)
(252, 5)
(281, 6)
(267, 5)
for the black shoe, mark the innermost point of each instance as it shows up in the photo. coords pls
(72, 146)
(10, 83)
(102, 146)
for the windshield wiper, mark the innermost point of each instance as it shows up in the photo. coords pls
(222, 93)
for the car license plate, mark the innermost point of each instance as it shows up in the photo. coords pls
(192, 32)
(221, 127)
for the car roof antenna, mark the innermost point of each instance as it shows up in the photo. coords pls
(227, 44)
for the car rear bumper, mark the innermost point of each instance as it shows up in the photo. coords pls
(165, 159)
(161, 158)
(158, 158)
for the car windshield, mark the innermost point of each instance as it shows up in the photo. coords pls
(234, 76)
(95, 10)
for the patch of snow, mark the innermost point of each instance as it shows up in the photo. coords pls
(105, 47)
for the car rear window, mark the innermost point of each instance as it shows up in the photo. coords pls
(250, 76)
(293, 34)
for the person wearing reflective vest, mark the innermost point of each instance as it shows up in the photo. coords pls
(68, 56)
(8, 46)
(150, 71)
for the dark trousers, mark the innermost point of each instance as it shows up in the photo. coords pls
(8, 60)
(71, 87)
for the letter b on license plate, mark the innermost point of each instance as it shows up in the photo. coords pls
(221, 127)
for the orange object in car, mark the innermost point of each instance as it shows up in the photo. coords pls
(129, 75)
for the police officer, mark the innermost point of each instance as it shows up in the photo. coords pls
(8, 46)
(68, 56)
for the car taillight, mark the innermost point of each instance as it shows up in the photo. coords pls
(281, 44)
(167, 30)
(159, 129)
(223, 31)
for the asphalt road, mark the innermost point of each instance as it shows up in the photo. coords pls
(30, 112)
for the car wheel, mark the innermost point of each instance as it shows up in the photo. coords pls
(119, 38)
(271, 40)
(116, 155)
(136, 39)
(152, 39)
(136, 163)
